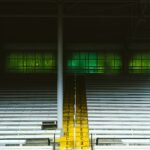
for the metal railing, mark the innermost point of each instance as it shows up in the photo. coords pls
(118, 141)
(48, 141)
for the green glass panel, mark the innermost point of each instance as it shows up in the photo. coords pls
(83, 56)
(31, 63)
(100, 64)
(76, 56)
(112, 64)
(140, 63)
(92, 62)
(92, 56)
(82, 62)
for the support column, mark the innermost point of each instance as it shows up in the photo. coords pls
(60, 66)
(125, 59)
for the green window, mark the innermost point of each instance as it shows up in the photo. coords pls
(140, 63)
(31, 63)
(92, 62)
(82, 63)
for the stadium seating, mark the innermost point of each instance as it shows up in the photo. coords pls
(23, 110)
(119, 111)
(27, 148)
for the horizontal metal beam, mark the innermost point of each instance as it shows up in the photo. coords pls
(101, 16)
(66, 16)
(27, 16)
(74, 1)
(27, 1)
(101, 1)
(139, 38)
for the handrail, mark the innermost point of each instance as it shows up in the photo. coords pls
(54, 144)
(48, 139)
(97, 143)
(91, 142)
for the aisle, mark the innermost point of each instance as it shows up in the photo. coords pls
(75, 117)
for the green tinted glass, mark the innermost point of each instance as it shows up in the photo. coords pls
(140, 63)
(31, 63)
(92, 62)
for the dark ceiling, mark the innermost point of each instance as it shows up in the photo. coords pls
(88, 21)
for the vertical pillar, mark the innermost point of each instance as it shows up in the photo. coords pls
(125, 59)
(60, 66)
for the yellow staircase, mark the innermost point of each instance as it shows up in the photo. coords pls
(75, 117)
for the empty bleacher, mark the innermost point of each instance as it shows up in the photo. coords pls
(119, 112)
(24, 112)
(26, 148)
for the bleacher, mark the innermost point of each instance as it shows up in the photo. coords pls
(119, 112)
(25, 114)
(26, 148)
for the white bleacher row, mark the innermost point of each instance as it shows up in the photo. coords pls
(121, 147)
(118, 108)
(26, 148)
(22, 112)
(32, 136)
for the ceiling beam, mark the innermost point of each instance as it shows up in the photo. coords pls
(100, 1)
(141, 16)
(28, 1)
(75, 1)
(65, 16)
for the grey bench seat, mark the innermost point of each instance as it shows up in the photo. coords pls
(119, 136)
(123, 123)
(8, 123)
(11, 142)
(117, 104)
(120, 132)
(119, 119)
(29, 105)
(29, 102)
(117, 96)
(30, 119)
(33, 132)
(121, 147)
(28, 112)
(117, 99)
(26, 115)
(118, 112)
(127, 127)
(119, 115)
(117, 108)
(29, 108)
(26, 148)
(20, 127)
(26, 136)
(136, 141)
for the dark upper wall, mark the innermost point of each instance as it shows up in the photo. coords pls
(85, 21)
(101, 25)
